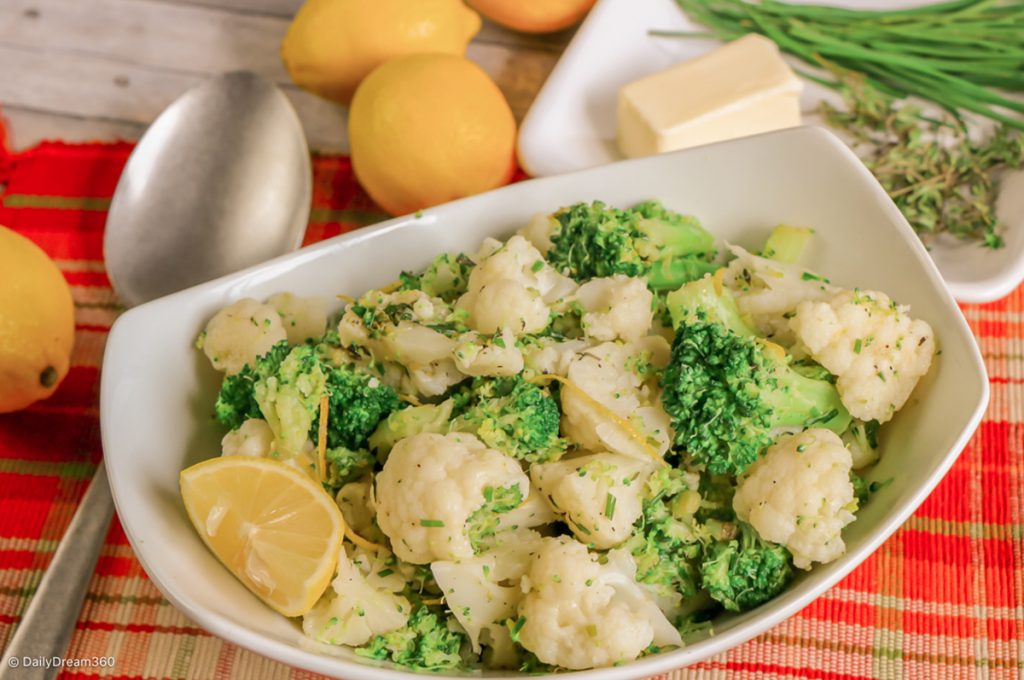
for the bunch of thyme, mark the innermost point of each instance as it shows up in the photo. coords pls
(940, 178)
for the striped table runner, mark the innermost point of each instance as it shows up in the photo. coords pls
(944, 598)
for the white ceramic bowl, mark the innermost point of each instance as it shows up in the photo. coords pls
(571, 124)
(158, 391)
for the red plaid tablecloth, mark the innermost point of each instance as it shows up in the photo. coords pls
(943, 598)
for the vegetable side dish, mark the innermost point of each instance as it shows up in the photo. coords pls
(569, 449)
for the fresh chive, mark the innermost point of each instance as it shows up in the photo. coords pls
(609, 506)
(517, 628)
(823, 418)
(431, 523)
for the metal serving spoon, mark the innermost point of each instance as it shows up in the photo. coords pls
(219, 182)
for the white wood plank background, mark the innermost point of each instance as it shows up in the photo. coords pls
(103, 69)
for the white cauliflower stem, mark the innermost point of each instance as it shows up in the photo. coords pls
(799, 494)
(599, 495)
(768, 291)
(580, 614)
(355, 608)
(872, 344)
(241, 332)
(429, 487)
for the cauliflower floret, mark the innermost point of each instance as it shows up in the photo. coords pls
(430, 486)
(484, 592)
(480, 355)
(769, 291)
(354, 609)
(580, 614)
(799, 495)
(599, 495)
(551, 356)
(620, 379)
(511, 287)
(253, 438)
(617, 307)
(538, 232)
(303, 317)
(394, 328)
(872, 344)
(241, 332)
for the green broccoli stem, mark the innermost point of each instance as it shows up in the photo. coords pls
(672, 234)
(706, 300)
(743, 574)
(672, 273)
(786, 243)
(804, 402)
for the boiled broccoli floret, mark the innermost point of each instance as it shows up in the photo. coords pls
(344, 465)
(666, 248)
(290, 398)
(483, 524)
(514, 416)
(358, 402)
(426, 642)
(664, 544)
(236, 402)
(446, 277)
(726, 391)
(741, 574)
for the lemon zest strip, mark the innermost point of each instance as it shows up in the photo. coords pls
(360, 541)
(321, 438)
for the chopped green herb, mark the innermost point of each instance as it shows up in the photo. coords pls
(609, 506)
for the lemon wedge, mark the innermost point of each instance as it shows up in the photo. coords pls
(276, 529)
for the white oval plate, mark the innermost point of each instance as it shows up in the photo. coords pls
(571, 124)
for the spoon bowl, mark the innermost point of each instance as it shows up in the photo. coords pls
(221, 181)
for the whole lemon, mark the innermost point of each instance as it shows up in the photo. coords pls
(37, 323)
(533, 16)
(333, 44)
(430, 128)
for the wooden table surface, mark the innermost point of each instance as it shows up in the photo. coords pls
(81, 70)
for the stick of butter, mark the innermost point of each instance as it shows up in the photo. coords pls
(742, 88)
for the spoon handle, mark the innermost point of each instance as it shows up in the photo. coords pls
(48, 622)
